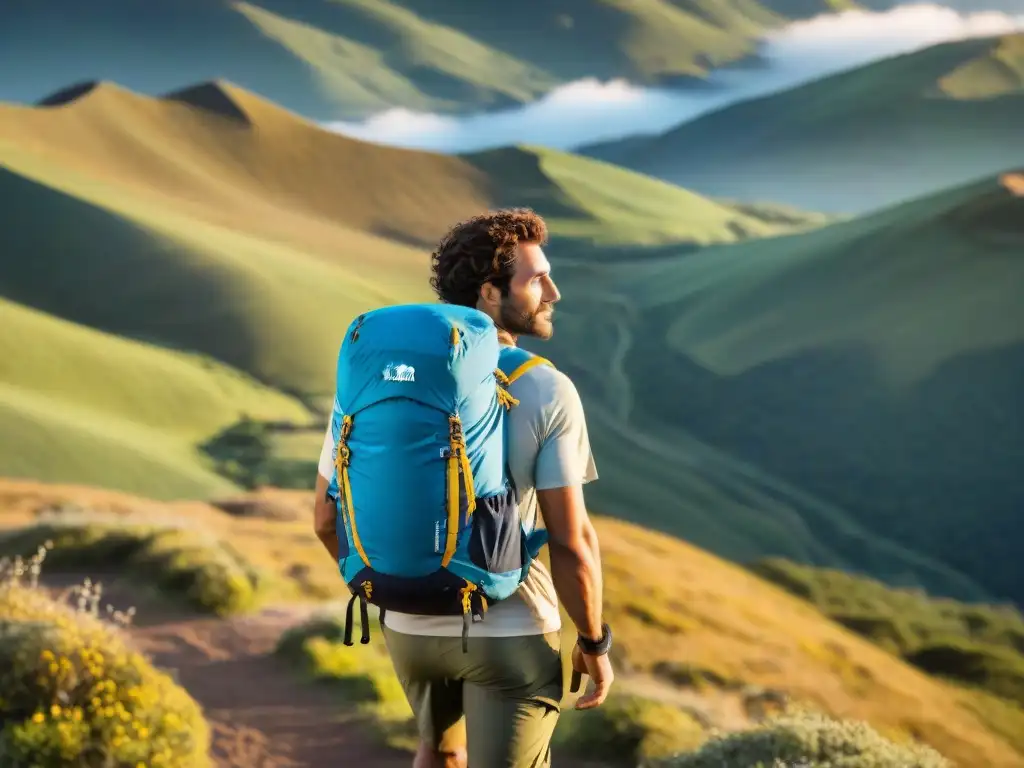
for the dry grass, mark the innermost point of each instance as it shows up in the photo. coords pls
(713, 615)
(738, 632)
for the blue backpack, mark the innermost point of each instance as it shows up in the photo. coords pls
(428, 520)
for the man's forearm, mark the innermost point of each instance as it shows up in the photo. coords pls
(595, 550)
(576, 573)
(325, 518)
(330, 542)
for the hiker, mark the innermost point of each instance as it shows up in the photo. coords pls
(488, 693)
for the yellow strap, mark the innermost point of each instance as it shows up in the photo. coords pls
(532, 362)
(457, 460)
(453, 507)
(505, 399)
(347, 508)
(467, 478)
(352, 519)
(467, 596)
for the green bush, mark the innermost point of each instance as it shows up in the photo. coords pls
(991, 667)
(627, 729)
(210, 574)
(978, 644)
(362, 674)
(889, 632)
(808, 741)
(73, 693)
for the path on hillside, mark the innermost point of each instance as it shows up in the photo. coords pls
(262, 714)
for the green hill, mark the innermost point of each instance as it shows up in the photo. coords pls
(874, 364)
(223, 203)
(858, 140)
(346, 59)
(215, 222)
(82, 406)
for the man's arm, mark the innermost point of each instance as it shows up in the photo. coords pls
(564, 464)
(325, 513)
(575, 557)
(325, 517)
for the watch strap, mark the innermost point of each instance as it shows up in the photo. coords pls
(599, 647)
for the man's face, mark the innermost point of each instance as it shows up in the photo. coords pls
(528, 310)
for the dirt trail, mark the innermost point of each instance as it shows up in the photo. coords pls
(261, 713)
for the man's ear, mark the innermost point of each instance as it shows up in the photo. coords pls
(490, 294)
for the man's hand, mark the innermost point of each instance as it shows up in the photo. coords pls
(598, 669)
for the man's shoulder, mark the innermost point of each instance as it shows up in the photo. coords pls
(546, 382)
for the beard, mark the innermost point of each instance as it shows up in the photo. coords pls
(527, 321)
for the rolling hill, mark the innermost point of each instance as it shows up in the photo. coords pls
(873, 364)
(692, 631)
(215, 222)
(346, 59)
(859, 140)
(253, 215)
(83, 406)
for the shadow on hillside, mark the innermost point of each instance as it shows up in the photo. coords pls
(918, 465)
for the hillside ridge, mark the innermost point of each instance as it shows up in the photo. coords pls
(878, 127)
(214, 96)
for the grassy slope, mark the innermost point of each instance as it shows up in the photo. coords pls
(349, 58)
(258, 216)
(856, 140)
(83, 406)
(704, 615)
(873, 363)
(596, 202)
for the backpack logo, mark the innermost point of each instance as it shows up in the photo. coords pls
(400, 372)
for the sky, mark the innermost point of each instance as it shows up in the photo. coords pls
(588, 110)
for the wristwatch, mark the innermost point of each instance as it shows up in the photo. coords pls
(599, 647)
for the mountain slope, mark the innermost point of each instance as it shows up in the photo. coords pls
(346, 59)
(84, 406)
(691, 630)
(258, 215)
(225, 225)
(857, 140)
(874, 364)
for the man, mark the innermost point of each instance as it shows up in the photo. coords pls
(497, 705)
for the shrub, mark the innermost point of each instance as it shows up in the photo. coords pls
(72, 692)
(688, 675)
(888, 632)
(627, 729)
(978, 644)
(210, 575)
(987, 666)
(808, 740)
(362, 674)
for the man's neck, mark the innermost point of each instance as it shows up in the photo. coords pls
(507, 339)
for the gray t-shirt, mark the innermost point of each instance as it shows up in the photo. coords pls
(548, 448)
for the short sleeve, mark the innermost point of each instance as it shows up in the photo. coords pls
(327, 455)
(565, 457)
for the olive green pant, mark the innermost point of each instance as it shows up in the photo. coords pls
(501, 699)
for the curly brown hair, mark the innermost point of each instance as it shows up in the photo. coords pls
(482, 249)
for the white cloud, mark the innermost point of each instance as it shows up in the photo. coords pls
(587, 110)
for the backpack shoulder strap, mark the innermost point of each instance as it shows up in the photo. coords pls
(514, 362)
